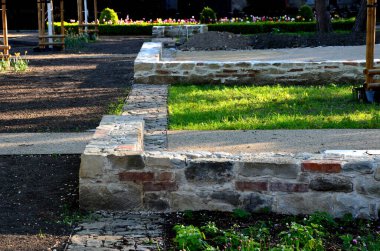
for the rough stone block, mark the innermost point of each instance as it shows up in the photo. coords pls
(304, 203)
(165, 176)
(187, 201)
(229, 197)
(156, 202)
(143, 67)
(364, 167)
(160, 186)
(136, 176)
(98, 196)
(126, 162)
(277, 169)
(367, 186)
(288, 187)
(158, 161)
(322, 166)
(255, 202)
(377, 174)
(91, 166)
(332, 184)
(209, 171)
(252, 186)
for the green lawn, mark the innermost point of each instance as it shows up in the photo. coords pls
(268, 107)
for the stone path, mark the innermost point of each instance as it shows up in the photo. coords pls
(43, 143)
(119, 231)
(150, 102)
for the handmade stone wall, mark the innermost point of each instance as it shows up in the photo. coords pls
(149, 68)
(178, 31)
(117, 174)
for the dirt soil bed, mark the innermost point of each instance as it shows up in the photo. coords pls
(66, 91)
(37, 193)
(214, 40)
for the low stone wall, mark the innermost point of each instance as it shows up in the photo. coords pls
(150, 69)
(116, 174)
(178, 31)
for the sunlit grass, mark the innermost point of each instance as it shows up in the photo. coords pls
(268, 107)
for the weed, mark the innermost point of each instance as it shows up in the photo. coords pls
(240, 213)
(321, 218)
(41, 234)
(189, 238)
(188, 214)
(76, 41)
(71, 217)
(17, 63)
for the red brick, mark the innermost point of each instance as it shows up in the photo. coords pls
(125, 148)
(351, 63)
(289, 187)
(322, 166)
(162, 72)
(136, 176)
(165, 176)
(160, 186)
(251, 185)
(229, 71)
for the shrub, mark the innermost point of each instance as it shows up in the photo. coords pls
(108, 15)
(306, 12)
(208, 15)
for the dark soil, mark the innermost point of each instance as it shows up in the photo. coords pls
(36, 193)
(63, 92)
(214, 40)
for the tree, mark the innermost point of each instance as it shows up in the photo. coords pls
(361, 18)
(323, 16)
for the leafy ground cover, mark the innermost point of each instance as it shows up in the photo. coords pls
(241, 230)
(268, 107)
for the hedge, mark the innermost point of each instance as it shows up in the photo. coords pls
(239, 28)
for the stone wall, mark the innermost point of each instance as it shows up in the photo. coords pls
(119, 175)
(178, 31)
(156, 71)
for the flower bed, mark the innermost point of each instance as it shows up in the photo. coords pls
(258, 25)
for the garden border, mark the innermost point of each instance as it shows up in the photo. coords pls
(151, 69)
(117, 174)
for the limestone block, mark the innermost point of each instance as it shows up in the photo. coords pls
(254, 202)
(156, 202)
(91, 166)
(331, 183)
(111, 196)
(368, 186)
(187, 201)
(275, 168)
(377, 174)
(358, 206)
(230, 197)
(209, 171)
(364, 167)
(304, 203)
(126, 162)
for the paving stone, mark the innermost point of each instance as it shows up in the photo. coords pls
(120, 231)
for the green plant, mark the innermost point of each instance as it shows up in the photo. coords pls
(4, 64)
(240, 213)
(108, 15)
(303, 237)
(116, 108)
(189, 238)
(188, 214)
(321, 218)
(306, 12)
(75, 41)
(208, 15)
(17, 63)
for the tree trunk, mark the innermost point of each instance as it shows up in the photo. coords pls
(323, 17)
(361, 18)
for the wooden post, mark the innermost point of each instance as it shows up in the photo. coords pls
(96, 16)
(5, 29)
(62, 10)
(80, 16)
(370, 40)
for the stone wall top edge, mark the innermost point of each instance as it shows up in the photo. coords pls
(262, 156)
